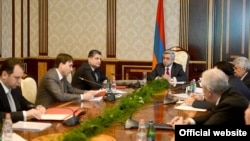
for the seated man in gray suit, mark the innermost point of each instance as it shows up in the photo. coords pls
(54, 86)
(168, 69)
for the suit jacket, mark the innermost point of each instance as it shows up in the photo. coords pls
(86, 72)
(229, 111)
(235, 83)
(50, 90)
(176, 71)
(246, 80)
(21, 104)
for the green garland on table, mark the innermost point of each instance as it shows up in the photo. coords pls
(127, 105)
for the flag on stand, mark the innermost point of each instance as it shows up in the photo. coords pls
(159, 39)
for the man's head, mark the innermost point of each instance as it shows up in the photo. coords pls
(168, 57)
(95, 58)
(11, 72)
(226, 67)
(214, 83)
(241, 66)
(64, 64)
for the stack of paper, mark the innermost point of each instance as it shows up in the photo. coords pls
(27, 125)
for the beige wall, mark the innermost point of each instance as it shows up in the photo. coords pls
(77, 26)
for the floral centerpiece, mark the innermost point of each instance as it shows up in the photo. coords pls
(127, 105)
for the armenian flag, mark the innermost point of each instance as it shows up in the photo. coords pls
(159, 39)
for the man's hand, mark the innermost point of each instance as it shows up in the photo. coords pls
(41, 108)
(34, 113)
(89, 94)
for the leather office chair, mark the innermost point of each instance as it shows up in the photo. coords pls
(181, 57)
(29, 89)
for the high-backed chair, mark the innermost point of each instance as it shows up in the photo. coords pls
(69, 78)
(181, 57)
(29, 89)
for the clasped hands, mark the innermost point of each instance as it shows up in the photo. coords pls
(193, 96)
(37, 112)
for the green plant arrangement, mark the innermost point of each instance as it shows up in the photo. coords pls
(127, 105)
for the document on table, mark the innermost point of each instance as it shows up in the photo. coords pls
(34, 126)
(54, 116)
(189, 108)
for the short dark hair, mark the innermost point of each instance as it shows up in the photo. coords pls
(62, 58)
(94, 52)
(226, 67)
(9, 64)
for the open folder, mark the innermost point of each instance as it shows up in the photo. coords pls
(62, 113)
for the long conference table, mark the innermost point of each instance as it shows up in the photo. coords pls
(155, 111)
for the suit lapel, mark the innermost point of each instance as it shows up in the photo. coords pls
(4, 98)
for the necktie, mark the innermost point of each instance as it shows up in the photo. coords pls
(167, 71)
(96, 76)
(62, 85)
(11, 102)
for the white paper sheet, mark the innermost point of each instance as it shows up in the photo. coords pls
(54, 116)
(27, 125)
(189, 108)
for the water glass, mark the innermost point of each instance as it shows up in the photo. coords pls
(144, 77)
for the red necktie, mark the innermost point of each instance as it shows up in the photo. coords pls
(167, 71)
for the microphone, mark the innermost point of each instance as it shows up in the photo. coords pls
(136, 84)
(81, 78)
(109, 96)
(72, 120)
(131, 123)
(168, 99)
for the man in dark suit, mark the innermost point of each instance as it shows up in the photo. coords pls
(241, 69)
(11, 98)
(168, 69)
(233, 81)
(229, 104)
(90, 71)
(54, 86)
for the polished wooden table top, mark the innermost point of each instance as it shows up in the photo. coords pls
(155, 111)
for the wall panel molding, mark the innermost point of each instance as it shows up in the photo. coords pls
(43, 27)
(111, 28)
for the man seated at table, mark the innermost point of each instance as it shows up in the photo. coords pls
(168, 69)
(90, 72)
(229, 104)
(241, 69)
(54, 86)
(11, 98)
(196, 100)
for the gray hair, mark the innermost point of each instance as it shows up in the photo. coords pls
(243, 62)
(214, 79)
(172, 54)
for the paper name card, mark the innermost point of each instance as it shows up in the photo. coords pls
(34, 126)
